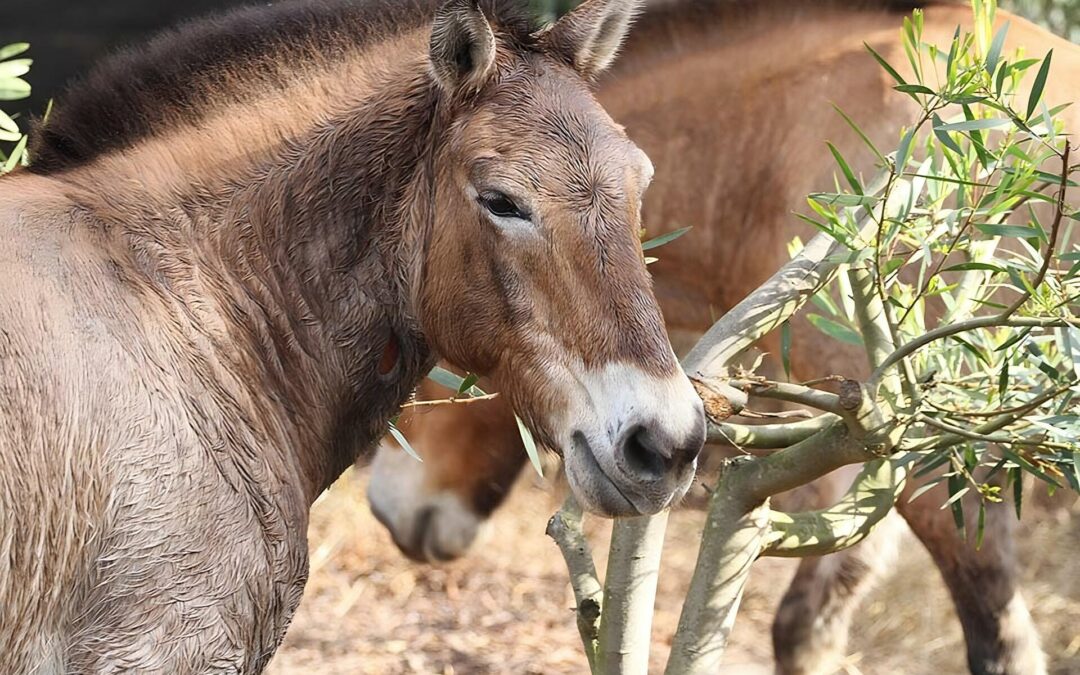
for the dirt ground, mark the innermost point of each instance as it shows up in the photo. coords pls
(507, 607)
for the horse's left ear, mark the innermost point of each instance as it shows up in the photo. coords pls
(589, 37)
(462, 49)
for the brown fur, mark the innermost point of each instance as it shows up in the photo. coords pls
(220, 239)
(732, 101)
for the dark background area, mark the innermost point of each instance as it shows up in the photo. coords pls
(67, 36)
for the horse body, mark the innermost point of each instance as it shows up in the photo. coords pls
(196, 412)
(236, 254)
(733, 103)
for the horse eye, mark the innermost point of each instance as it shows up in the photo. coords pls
(501, 206)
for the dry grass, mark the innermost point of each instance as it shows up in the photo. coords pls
(506, 609)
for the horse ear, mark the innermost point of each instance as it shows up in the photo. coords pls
(590, 36)
(462, 47)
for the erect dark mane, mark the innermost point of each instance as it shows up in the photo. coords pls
(178, 75)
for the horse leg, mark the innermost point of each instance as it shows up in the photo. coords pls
(810, 630)
(1000, 635)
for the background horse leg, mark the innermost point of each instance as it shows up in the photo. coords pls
(810, 630)
(1000, 635)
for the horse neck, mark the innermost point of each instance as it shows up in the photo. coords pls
(293, 277)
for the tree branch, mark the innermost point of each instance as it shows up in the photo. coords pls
(767, 436)
(866, 503)
(629, 594)
(565, 528)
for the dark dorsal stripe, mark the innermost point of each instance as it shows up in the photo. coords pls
(181, 73)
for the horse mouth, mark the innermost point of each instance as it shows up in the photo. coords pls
(597, 490)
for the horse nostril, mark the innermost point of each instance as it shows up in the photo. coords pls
(643, 455)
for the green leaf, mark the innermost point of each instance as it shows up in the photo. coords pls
(914, 89)
(530, 446)
(834, 329)
(1027, 466)
(972, 349)
(446, 378)
(785, 348)
(924, 488)
(848, 173)
(957, 490)
(467, 383)
(15, 157)
(885, 64)
(943, 136)
(404, 443)
(664, 239)
(840, 199)
(13, 89)
(13, 49)
(973, 125)
(993, 55)
(861, 134)
(1017, 480)
(14, 68)
(1040, 83)
(982, 526)
(904, 151)
(8, 124)
(1076, 466)
(961, 267)
(994, 229)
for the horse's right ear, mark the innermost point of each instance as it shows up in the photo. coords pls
(462, 46)
(590, 35)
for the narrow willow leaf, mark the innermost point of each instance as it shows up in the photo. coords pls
(7, 123)
(664, 239)
(404, 443)
(904, 151)
(1037, 89)
(951, 61)
(1017, 479)
(530, 446)
(848, 173)
(13, 89)
(943, 136)
(15, 157)
(785, 348)
(993, 55)
(1076, 468)
(1027, 466)
(914, 89)
(467, 383)
(957, 489)
(923, 489)
(840, 199)
(981, 527)
(885, 64)
(861, 134)
(13, 49)
(15, 68)
(974, 125)
(1021, 231)
(973, 266)
(835, 330)
(442, 376)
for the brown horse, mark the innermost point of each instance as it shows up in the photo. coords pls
(733, 102)
(236, 253)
